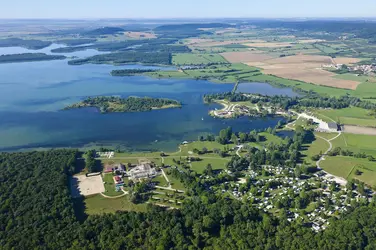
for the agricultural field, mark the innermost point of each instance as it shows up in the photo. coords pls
(346, 167)
(196, 59)
(315, 148)
(356, 143)
(350, 116)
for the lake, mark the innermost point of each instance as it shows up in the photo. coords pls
(32, 95)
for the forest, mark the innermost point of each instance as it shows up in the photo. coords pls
(28, 44)
(35, 202)
(156, 58)
(107, 104)
(29, 57)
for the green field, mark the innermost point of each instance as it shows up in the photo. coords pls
(316, 147)
(217, 164)
(346, 166)
(161, 181)
(98, 205)
(195, 59)
(356, 143)
(350, 116)
(109, 185)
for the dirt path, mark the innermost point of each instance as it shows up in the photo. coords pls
(165, 176)
(171, 189)
(115, 197)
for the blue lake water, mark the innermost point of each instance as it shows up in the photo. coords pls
(32, 95)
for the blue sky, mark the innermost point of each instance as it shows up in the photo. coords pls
(188, 8)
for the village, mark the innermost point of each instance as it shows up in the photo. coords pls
(311, 198)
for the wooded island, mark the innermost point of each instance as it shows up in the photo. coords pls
(110, 104)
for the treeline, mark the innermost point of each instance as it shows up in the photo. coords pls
(157, 58)
(28, 44)
(75, 42)
(29, 57)
(149, 45)
(309, 100)
(130, 72)
(108, 104)
(35, 202)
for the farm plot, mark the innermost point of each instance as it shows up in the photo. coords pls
(187, 59)
(249, 56)
(305, 68)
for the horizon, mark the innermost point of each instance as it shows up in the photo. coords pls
(194, 9)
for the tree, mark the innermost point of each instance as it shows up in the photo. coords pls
(234, 139)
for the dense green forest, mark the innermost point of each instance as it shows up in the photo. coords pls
(107, 104)
(37, 212)
(130, 72)
(28, 44)
(163, 58)
(28, 57)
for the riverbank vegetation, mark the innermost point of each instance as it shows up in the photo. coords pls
(130, 104)
(29, 57)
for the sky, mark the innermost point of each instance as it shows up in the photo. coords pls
(75, 9)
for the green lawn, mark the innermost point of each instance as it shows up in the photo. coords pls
(317, 146)
(217, 164)
(346, 166)
(356, 143)
(161, 181)
(175, 183)
(350, 116)
(187, 59)
(98, 205)
(109, 185)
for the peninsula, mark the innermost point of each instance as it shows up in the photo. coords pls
(110, 104)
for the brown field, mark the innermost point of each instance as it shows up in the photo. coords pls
(305, 68)
(251, 56)
(139, 35)
(346, 60)
(359, 130)
(268, 45)
(220, 43)
(192, 41)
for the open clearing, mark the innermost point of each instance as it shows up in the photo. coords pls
(356, 143)
(139, 35)
(349, 116)
(346, 166)
(98, 204)
(247, 56)
(82, 185)
(305, 68)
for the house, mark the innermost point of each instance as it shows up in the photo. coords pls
(142, 171)
(334, 126)
(119, 169)
(118, 180)
(108, 169)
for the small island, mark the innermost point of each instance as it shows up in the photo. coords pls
(130, 72)
(110, 104)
